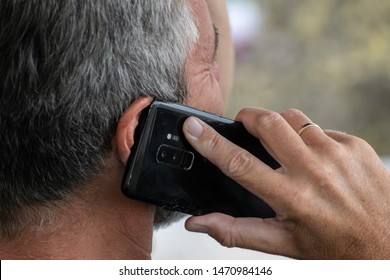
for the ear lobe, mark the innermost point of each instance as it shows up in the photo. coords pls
(126, 126)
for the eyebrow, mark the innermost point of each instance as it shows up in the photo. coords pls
(216, 41)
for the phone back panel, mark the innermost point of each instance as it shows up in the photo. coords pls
(164, 169)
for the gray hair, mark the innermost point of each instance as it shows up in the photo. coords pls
(68, 69)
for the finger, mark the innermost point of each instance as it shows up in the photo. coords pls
(236, 162)
(312, 135)
(266, 235)
(276, 134)
(351, 143)
(338, 136)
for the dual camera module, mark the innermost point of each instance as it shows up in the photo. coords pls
(175, 157)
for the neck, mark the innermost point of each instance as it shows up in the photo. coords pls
(103, 236)
(100, 224)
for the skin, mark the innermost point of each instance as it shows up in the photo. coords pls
(225, 53)
(202, 69)
(95, 224)
(331, 194)
(100, 222)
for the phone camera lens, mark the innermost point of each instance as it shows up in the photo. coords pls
(163, 154)
(175, 157)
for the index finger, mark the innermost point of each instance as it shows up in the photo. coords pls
(235, 162)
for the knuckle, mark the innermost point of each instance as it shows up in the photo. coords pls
(336, 151)
(239, 163)
(232, 160)
(349, 142)
(323, 177)
(213, 139)
(227, 240)
(269, 120)
(225, 233)
(356, 144)
(291, 114)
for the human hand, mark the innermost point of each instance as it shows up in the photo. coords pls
(331, 195)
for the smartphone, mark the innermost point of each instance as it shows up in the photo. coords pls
(163, 169)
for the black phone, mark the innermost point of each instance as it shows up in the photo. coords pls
(163, 169)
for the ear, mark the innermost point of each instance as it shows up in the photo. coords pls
(124, 138)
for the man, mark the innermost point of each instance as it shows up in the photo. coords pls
(74, 77)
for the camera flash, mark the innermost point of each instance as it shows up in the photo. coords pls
(172, 137)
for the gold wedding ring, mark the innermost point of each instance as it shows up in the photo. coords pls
(307, 125)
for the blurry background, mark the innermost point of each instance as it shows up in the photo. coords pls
(329, 58)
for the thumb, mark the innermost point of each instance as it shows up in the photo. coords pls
(265, 235)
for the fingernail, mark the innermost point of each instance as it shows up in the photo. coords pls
(194, 127)
(195, 227)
